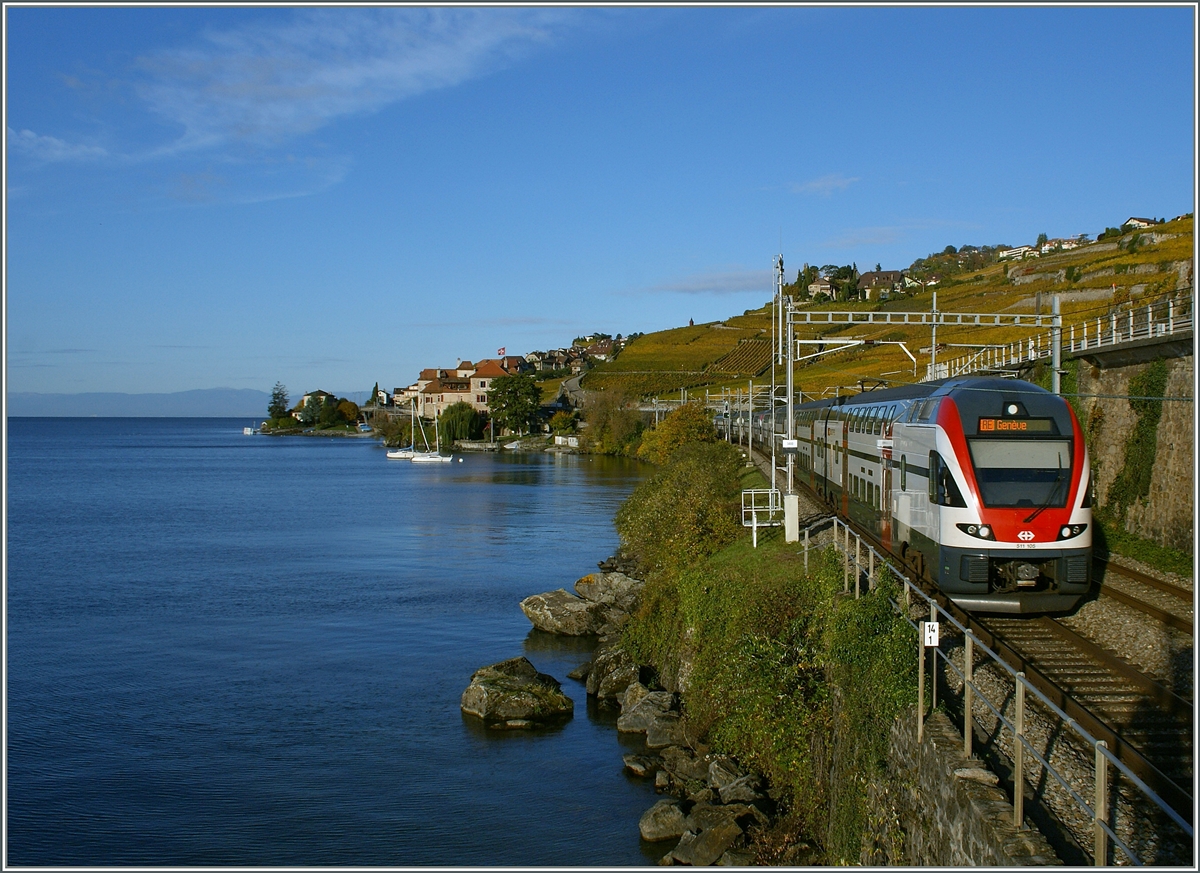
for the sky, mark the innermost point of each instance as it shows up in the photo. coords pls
(333, 197)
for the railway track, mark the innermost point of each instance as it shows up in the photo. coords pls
(1146, 725)
(1173, 605)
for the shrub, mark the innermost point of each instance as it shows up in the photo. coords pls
(687, 511)
(614, 427)
(690, 423)
(563, 422)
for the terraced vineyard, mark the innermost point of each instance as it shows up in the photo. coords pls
(749, 358)
(1135, 269)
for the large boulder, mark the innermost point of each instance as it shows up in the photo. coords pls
(612, 672)
(609, 588)
(639, 717)
(666, 729)
(663, 821)
(513, 694)
(561, 612)
(707, 846)
(684, 765)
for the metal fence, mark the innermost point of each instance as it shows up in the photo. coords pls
(861, 559)
(1162, 318)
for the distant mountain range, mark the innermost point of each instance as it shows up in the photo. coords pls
(202, 403)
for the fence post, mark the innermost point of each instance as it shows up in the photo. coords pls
(857, 563)
(871, 571)
(1131, 322)
(806, 550)
(1170, 316)
(968, 693)
(920, 686)
(1100, 858)
(1019, 756)
(846, 562)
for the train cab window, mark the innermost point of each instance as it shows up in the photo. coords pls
(943, 490)
(927, 409)
(1022, 472)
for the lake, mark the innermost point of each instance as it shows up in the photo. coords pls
(249, 650)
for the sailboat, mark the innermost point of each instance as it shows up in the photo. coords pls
(436, 456)
(407, 454)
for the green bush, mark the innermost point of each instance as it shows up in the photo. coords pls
(786, 674)
(687, 511)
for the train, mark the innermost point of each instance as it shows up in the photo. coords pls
(980, 486)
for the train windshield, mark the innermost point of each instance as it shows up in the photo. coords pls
(1020, 472)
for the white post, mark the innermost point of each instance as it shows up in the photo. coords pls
(1056, 348)
(933, 342)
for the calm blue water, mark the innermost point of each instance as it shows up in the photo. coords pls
(226, 649)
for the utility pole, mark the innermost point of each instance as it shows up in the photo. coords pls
(791, 501)
(933, 344)
(1056, 349)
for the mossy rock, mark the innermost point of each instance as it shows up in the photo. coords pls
(514, 695)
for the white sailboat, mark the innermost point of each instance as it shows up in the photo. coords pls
(407, 454)
(436, 456)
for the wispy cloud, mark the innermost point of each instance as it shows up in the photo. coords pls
(50, 149)
(713, 282)
(824, 185)
(263, 85)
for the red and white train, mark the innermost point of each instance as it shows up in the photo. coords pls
(979, 485)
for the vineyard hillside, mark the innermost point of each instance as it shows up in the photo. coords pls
(1129, 270)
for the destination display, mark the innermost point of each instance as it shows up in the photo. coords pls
(1016, 425)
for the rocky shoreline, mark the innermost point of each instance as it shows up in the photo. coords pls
(712, 808)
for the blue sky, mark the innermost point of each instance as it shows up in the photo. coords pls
(226, 197)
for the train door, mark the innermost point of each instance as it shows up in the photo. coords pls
(843, 443)
(885, 468)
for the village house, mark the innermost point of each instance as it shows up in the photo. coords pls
(600, 351)
(880, 283)
(1020, 252)
(320, 395)
(820, 286)
(1140, 223)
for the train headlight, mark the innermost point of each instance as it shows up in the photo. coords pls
(1069, 531)
(983, 531)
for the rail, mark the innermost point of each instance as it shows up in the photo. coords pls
(1162, 318)
(1098, 810)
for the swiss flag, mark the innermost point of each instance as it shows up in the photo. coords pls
(500, 351)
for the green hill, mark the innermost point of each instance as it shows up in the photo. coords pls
(1134, 268)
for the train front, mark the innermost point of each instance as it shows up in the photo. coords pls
(1020, 539)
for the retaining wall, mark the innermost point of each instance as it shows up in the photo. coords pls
(937, 807)
(1166, 515)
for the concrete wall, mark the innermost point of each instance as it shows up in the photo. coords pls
(1166, 516)
(936, 807)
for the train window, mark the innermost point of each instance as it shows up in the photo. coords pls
(877, 419)
(903, 473)
(943, 490)
(891, 413)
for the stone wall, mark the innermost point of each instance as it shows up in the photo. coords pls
(937, 807)
(1166, 516)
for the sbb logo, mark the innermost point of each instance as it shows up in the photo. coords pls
(1025, 535)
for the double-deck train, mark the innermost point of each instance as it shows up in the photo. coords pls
(979, 485)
